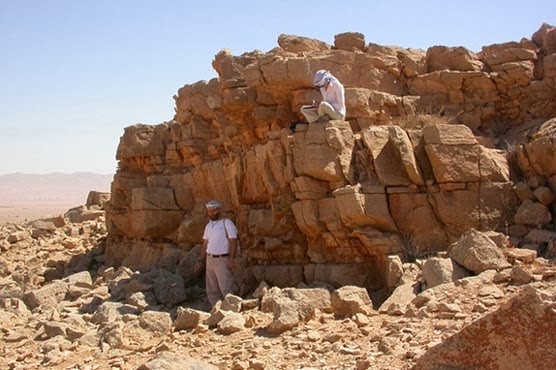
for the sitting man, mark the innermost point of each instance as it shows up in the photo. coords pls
(333, 105)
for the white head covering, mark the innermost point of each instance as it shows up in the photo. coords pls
(321, 78)
(213, 204)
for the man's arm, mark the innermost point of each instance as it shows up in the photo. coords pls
(231, 258)
(233, 247)
(232, 244)
(338, 99)
(202, 257)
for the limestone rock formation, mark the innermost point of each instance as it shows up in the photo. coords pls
(425, 154)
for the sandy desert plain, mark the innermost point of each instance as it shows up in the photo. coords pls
(27, 197)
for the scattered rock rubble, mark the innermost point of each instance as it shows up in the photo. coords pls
(482, 304)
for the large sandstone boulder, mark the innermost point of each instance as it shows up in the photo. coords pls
(47, 296)
(477, 252)
(350, 41)
(169, 361)
(522, 326)
(298, 44)
(438, 271)
(351, 300)
(324, 151)
(456, 59)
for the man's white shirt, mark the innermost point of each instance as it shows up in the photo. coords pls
(217, 236)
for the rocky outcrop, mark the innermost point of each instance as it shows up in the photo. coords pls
(413, 167)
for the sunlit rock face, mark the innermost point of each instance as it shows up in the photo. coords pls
(423, 156)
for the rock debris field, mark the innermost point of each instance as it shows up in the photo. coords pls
(483, 304)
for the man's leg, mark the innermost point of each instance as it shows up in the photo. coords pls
(327, 108)
(310, 113)
(224, 276)
(213, 290)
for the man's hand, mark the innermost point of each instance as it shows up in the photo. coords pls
(230, 263)
(199, 266)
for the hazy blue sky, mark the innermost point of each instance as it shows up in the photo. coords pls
(74, 73)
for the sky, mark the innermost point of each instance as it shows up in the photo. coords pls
(75, 73)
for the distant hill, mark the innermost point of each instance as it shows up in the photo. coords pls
(52, 188)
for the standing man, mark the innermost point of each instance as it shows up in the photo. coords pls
(333, 102)
(217, 253)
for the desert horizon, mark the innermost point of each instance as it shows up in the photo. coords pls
(17, 213)
(26, 197)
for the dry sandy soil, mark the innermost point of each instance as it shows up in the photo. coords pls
(26, 212)
(30, 196)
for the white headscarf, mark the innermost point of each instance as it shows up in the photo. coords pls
(322, 77)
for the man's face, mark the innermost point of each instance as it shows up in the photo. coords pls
(213, 213)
